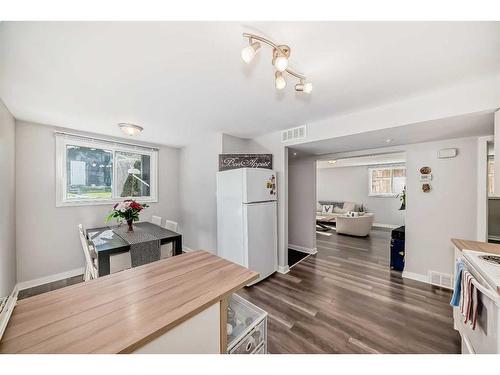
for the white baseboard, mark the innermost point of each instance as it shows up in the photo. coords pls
(303, 249)
(49, 279)
(283, 269)
(186, 249)
(416, 276)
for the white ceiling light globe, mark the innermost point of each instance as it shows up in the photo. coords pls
(249, 52)
(280, 81)
(281, 63)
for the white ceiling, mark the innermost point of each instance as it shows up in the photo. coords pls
(183, 79)
(379, 159)
(477, 124)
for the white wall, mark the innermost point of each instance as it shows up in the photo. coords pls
(198, 198)
(301, 206)
(8, 194)
(46, 237)
(447, 211)
(350, 184)
(237, 145)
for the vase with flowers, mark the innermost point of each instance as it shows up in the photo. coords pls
(127, 210)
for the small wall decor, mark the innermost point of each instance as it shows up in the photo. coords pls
(425, 170)
(425, 175)
(235, 161)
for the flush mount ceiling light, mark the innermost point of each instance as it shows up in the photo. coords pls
(332, 161)
(130, 129)
(281, 55)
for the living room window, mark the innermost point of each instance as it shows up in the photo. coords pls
(92, 171)
(386, 181)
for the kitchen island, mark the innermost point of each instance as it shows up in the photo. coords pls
(175, 305)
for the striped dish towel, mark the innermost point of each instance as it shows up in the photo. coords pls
(468, 300)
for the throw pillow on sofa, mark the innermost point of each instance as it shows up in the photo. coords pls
(327, 209)
(339, 210)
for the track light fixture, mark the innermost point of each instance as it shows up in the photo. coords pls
(281, 55)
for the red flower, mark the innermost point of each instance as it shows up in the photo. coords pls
(136, 206)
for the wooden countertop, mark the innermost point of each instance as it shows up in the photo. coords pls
(476, 246)
(121, 312)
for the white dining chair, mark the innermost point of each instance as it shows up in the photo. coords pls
(156, 220)
(167, 250)
(90, 256)
(171, 225)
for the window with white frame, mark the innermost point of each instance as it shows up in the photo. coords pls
(386, 181)
(92, 171)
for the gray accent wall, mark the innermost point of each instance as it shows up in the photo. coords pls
(47, 236)
(301, 194)
(8, 194)
(350, 184)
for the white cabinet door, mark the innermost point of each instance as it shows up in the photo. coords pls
(261, 237)
(256, 185)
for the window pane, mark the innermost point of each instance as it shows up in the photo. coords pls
(399, 172)
(89, 173)
(133, 174)
(381, 186)
(381, 173)
(398, 184)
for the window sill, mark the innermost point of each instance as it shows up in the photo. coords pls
(108, 202)
(383, 195)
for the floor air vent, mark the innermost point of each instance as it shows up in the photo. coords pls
(293, 133)
(440, 279)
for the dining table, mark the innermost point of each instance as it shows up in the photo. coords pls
(107, 241)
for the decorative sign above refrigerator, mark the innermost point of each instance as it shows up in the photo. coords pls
(235, 161)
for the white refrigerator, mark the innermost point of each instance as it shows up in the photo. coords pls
(247, 219)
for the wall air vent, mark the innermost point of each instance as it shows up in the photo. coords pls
(441, 279)
(293, 134)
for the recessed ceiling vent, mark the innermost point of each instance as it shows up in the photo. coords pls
(440, 279)
(293, 134)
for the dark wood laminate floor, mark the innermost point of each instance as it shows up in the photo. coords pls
(345, 299)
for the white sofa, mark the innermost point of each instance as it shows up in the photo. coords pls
(355, 226)
(336, 211)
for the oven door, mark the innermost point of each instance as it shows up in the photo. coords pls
(484, 338)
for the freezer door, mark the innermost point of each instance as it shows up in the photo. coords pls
(261, 237)
(259, 185)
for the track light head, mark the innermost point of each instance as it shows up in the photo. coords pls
(249, 52)
(280, 81)
(280, 58)
(304, 87)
